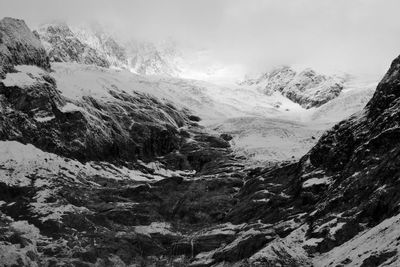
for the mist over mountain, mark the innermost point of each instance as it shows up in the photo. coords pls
(213, 133)
(356, 37)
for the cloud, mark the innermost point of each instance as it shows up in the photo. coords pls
(357, 36)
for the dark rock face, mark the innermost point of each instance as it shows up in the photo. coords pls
(132, 220)
(387, 92)
(347, 181)
(361, 154)
(18, 45)
(226, 137)
(130, 127)
(117, 214)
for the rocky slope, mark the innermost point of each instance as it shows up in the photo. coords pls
(18, 45)
(117, 177)
(343, 192)
(306, 87)
(124, 140)
(62, 45)
(245, 105)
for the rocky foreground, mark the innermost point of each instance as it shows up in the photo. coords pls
(125, 179)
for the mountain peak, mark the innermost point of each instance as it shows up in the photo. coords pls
(305, 87)
(18, 45)
(387, 93)
(91, 44)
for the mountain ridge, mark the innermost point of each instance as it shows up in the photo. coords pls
(92, 45)
(305, 87)
(180, 195)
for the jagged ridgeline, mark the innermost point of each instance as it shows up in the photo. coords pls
(123, 178)
(19, 46)
(91, 45)
(307, 88)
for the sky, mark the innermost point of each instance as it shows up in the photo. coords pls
(356, 36)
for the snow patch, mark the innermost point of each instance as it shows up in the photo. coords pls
(162, 228)
(317, 181)
(25, 76)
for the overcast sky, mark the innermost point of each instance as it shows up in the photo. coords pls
(360, 36)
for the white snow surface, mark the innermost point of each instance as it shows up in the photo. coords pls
(265, 128)
(24, 77)
(162, 228)
(267, 139)
(209, 101)
(316, 181)
(255, 103)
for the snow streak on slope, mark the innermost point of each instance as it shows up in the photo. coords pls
(18, 162)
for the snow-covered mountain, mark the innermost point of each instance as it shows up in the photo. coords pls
(96, 45)
(355, 95)
(92, 45)
(103, 167)
(276, 129)
(306, 87)
(265, 128)
(276, 100)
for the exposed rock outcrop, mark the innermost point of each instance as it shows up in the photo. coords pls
(128, 127)
(92, 45)
(18, 45)
(346, 184)
(307, 88)
(63, 46)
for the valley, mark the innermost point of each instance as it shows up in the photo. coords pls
(110, 157)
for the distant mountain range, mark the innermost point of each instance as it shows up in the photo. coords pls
(92, 45)
(306, 87)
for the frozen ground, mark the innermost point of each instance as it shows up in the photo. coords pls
(264, 127)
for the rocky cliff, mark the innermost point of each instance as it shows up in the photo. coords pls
(18, 45)
(343, 192)
(122, 178)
